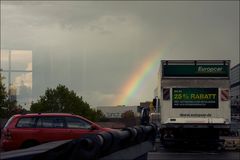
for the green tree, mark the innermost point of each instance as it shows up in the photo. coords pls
(63, 100)
(3, 97)
(99, 116)
(13, 109)
(128, 118)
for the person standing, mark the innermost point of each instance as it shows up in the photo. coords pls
(145, 116)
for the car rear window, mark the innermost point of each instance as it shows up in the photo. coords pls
(26, 122)
(8, 122)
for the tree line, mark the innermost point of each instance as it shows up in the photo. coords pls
(57, 100)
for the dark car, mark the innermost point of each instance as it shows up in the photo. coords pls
(26, 130)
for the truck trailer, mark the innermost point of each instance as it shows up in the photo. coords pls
(194, 101)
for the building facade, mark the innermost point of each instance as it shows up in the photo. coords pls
(12, 93)
(17, 73)
(235, 90)
(117, 111)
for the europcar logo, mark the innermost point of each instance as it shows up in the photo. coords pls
(203, 69)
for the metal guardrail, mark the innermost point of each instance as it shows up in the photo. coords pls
(128, 143)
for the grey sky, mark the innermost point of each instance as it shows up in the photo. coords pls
(95, 47)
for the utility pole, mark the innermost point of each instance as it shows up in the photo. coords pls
(157, 104)
(9, 73)
(0, 61)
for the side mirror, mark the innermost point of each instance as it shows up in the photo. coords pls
(94, 127)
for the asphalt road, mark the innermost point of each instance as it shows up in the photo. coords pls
(163, 154)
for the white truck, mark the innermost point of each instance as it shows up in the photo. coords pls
(194, 101)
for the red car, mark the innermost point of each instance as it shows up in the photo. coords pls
(27, 130)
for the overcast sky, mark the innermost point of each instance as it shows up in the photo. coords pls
(95, 47)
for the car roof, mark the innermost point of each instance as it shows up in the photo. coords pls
(45, 114)
(50, 114)
(53, 114)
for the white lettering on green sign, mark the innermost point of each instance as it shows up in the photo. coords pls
(203, 96)
(210, 69)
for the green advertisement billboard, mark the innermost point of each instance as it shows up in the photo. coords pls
(196, 70)
(195, 98)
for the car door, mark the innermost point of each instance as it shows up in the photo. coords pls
(24, 130)
(79, 127)
(52, 128)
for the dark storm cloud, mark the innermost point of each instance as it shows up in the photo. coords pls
(94, 47)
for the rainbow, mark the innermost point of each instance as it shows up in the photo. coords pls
(134, 83)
